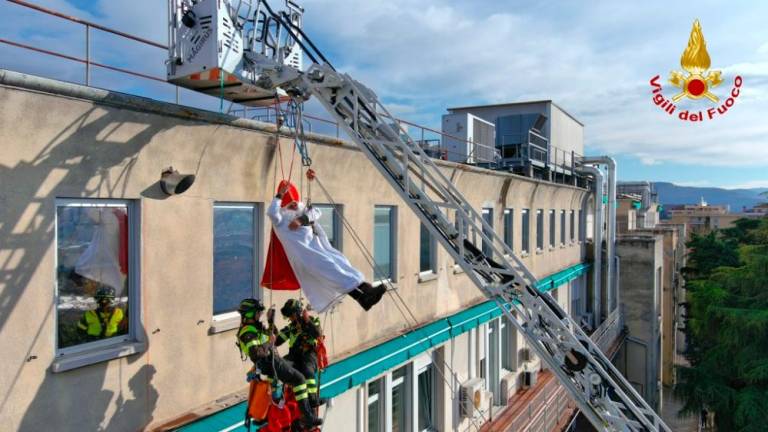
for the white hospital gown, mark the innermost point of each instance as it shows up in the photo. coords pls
(324, 273)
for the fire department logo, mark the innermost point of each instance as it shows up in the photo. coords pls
(695, 82)
(695, 60)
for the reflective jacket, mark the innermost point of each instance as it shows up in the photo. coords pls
(249, 336)
(305, 333)
(101, 324)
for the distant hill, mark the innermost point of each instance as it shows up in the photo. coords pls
(670, 193)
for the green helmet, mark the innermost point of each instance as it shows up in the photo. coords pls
(248, 307)
(292, 307)
(105, 293)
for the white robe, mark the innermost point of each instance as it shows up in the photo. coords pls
(324, 273)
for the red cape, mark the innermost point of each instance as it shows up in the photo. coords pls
(278, 273)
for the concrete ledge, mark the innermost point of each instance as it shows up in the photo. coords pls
(74, 361)
(427, 276)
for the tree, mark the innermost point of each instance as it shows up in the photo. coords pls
(727, 323)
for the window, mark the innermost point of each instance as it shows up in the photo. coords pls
(494, 359)
(384, 242)
(425, 395)
(573, 226)
(526, 231)
(562, 227)
(96, 284)
(509, 228)
(235, 255)
(508, 345)
(539, 229)
(551, 228)
(400, 400)
(330, 220)
(375, 406)
(581, 228)
(427, 251)
(488, 245)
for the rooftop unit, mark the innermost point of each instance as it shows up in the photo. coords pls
(468, 139)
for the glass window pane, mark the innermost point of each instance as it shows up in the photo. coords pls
(539, 229)
(552, 228)
(526, 231)
(329, 219)
(374, 407)
(426, 250)
(399, 400)
(509, 227)
(573, 225)
(233, 256)
(507, 330)
(382, 242)
(92, 272)
(488, 218)
(562, 227)
(426, 405)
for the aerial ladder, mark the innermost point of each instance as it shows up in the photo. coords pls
(246, 52)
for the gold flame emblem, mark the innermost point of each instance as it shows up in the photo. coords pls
(695, 60)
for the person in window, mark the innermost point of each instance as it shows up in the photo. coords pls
(302, 334)
(106, 320)
(321, 271)
(256, 342)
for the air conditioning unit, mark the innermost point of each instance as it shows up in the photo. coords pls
(508, 386)
(473, 397)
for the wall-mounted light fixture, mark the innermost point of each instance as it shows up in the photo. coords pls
(174, 183)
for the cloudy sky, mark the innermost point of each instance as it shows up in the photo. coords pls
(594, 59)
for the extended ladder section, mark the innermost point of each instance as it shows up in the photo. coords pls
(601, 392)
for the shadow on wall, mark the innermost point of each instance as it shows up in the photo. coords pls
(54, 408)
(79, 160)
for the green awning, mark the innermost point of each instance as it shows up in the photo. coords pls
(355, 370)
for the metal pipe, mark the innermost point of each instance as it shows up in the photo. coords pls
(598, 241)
(612, 289)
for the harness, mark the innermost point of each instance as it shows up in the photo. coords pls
(101, 324)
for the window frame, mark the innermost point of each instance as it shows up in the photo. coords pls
(392, 244)
(572, 237)
(337, 212)
(509, 228)
(426, 275)
(525, 230)
(563, 228)
(485, 247)
(134, 342)
(539, 230)
(230, 320)
(552, 228)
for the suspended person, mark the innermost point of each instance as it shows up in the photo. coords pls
(302, 334)
(321, 271)
(106, 320)
(257, 343)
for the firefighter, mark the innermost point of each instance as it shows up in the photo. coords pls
(106, 320)
(302, 335)
(257, 343)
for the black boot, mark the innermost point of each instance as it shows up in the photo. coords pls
(372, 295)
(360, 298)
(308, 417)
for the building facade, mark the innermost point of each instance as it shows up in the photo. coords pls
(82, 209)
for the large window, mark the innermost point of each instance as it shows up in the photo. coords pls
(384, 242)
(400, 400)
(330, 220)
(235, 255)
(509, 228)
(562, 227)
(539, 230)
(96, 287)
(508, 345)
(581, 227)
(526, 231)
(488, 245)
(427, 251)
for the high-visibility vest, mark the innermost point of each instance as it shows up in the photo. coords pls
(260, 339)
(101, 324)
(292, 332)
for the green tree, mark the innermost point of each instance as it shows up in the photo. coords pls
(727, 324)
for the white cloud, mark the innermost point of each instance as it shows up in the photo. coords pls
(749, 185)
